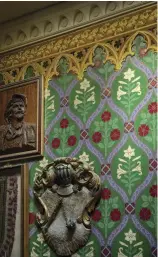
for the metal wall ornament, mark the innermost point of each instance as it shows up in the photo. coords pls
(67, 192)
(21, 121)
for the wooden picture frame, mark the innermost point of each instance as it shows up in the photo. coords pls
(21, 121)
(14, 218)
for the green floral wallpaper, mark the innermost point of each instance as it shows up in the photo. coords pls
(109, 120)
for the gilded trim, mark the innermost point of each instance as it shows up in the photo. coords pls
(116, 55)
(26, 31)
(144, 18)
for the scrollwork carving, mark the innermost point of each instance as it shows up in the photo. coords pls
(67, 192)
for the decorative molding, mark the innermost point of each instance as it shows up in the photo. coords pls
(99, 33)
(60, 18)
(77, 62)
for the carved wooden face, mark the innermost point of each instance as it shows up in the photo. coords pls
(18, 110)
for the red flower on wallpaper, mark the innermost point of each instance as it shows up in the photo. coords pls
(64, 123)
(97, 136)
(152, 108)
(96, 215)
(143, 52)
(115, 215)
(32, 218)
(115, 134)
(55, 143)
(106, 116)
(105, 194)
(145, 214)
(153, 191)
(143, 130)
(71, 140)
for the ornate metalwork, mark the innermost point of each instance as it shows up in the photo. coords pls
(67, 192)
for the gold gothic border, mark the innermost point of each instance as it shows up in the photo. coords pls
(78, 65)
(144, 18)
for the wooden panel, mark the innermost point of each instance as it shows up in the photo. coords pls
(30, 91)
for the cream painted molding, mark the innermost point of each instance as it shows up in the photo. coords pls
(61, 18)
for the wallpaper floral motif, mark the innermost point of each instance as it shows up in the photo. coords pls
(109, 120)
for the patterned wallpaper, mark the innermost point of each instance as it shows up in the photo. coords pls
(109, 120)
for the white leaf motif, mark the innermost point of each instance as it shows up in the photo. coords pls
(120, 253)
(137, 89)
(79, 92)
(122, 82)
(120, 92)
(136, 79)
(139, 243)
(137, 158)
(122, 160)
(77, 102)
(122, 243)
(138, 168)
(90, 89)
(91, 98)
(120, 171)
(139, 254)
(33, 253)
(51, 107)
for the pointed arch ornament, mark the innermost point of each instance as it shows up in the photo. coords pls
(71, 46)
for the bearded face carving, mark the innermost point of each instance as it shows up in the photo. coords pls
(67, 192)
